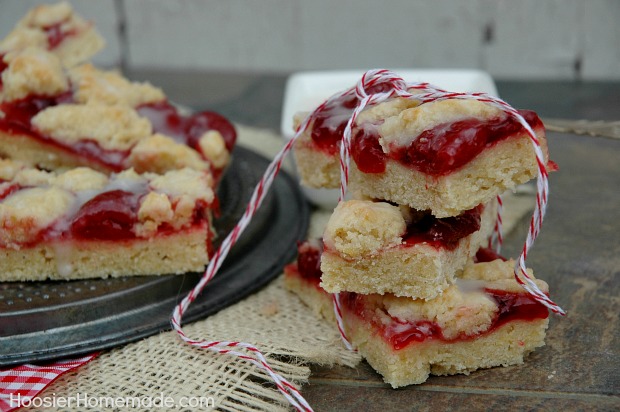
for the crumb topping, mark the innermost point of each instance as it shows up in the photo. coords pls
(9, 168)
(23, 37)
(112, 127)
(358, 227)
(184, 188)
(27, 212)
(389, 108)
(194, 184)
(213, 147)
(33, 71)
(159, 153)
(48, 199)
(46, 15)
(33, 177)
(155, 209)
(110, 87)
(499, 274)
(81, 179)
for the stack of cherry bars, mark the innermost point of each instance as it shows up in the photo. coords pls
(418, 290)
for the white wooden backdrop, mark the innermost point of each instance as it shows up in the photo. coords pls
(512, 39)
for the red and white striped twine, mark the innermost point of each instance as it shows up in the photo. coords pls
(496, 239)
(397, 87)
(251, 353)
(339, 321)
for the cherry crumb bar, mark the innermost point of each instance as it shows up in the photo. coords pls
(84, 224)
(378, 247)
(445, 156)
(485, 319)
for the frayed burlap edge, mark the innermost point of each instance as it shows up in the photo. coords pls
(274, 320)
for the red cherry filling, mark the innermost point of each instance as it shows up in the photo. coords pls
(367, 152)
(406, 333)
(329, 123)
(486, 254)
(331, 120)
(202, 122)
(107, 216)
(3, 66)
(188, 130)
(516, 306)
(309, 261)
(444, 232)
(19, 113)
(441, 150)
(56, 33)
(446, 147)
(8, 190)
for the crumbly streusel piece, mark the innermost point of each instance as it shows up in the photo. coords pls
(376, 247)
(115, 127)
(159, 153)
(92, 85)
(33, 71)
(84, 224)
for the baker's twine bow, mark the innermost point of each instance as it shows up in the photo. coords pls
(392, 86)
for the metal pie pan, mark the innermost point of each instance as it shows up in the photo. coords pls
(41, 321)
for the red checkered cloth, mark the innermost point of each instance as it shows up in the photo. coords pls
(27, 381)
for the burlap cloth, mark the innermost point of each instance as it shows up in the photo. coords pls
(273, 319)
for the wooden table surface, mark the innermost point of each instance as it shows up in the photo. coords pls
(577, 253)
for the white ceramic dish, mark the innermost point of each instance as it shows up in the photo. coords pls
(306, 90)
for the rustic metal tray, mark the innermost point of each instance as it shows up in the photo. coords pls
(41, 321)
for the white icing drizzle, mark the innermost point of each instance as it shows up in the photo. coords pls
(135, 185)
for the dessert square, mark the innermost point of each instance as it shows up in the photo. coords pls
(483, 320)
(84, 224)
(378, 247)
(445, 156)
